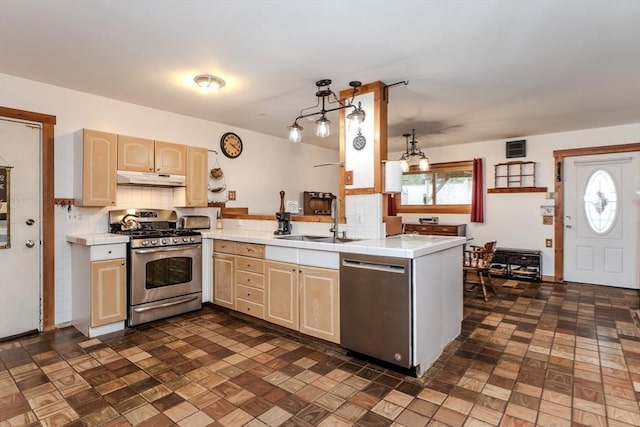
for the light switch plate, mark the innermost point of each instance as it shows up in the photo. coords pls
(232, 194)
(348, 177)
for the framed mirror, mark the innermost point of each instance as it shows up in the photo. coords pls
(5, 229)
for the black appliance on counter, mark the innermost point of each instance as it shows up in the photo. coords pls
(284, 223)
(164, 264)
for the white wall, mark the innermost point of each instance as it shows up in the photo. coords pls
(267, 165)
(513, 219)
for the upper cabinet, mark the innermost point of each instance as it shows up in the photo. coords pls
(194, 193)
(96, 185)
(171, 158)
(146, 155)
(135, 154)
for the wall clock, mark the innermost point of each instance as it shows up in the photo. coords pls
(231, 145)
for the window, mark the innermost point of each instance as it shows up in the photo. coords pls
(444, 188)
(600, 202)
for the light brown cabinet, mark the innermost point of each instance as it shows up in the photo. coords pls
(306, 299)
(135, 154)
(194, 193)
(250, 280)
(170, 158)
(146, 155)
(108, 288)
(238, 276)
(224, 279)
(281, 294)
(98, 288)
(320, 302)
(298, 297)
(98, 170)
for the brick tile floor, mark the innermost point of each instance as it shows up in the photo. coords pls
(535, 354)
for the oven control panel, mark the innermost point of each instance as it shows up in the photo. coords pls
(154, 242)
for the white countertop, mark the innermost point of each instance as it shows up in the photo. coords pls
(403, 246)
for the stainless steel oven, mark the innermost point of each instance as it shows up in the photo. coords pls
(164, 268)
(164, 281)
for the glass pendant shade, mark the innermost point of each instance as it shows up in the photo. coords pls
(424, 164)
(324, 128)
(404, 165)
(295, 133)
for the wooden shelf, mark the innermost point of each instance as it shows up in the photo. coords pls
(517, 190)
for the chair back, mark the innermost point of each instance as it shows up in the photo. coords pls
(479, 257)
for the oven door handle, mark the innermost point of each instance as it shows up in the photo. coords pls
(164, 249)
(166, 304)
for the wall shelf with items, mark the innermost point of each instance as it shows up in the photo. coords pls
(515, 177)
(317, 203)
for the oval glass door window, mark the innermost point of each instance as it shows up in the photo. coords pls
(600, 201)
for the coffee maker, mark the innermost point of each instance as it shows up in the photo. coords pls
(284, 223)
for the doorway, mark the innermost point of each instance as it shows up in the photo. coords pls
(600, 219)
(47, 208)
(590, 237)
(20, 220)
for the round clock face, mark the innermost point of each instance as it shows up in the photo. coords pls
(231, 145)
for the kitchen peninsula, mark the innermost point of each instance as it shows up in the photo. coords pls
(434, 303)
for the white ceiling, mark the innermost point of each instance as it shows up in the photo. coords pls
(477, 69)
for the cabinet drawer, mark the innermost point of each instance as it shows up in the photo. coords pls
(114, 251)
(248, 278)
(445, 229)
(224, 246)
(250, 294)
(255, 265)
(250, 249)
(250, 308)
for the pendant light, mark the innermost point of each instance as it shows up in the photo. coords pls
(325, 97)
(413, 156)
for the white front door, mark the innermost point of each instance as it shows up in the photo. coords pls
(20, 261)
(601, 209)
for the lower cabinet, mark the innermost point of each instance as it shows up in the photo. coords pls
(306, 299)
(224, 279)
(298, 297)
(108, 288)
(98, 287)
(320, 303)
(281, 294)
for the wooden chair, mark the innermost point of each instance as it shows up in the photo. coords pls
(476, 266)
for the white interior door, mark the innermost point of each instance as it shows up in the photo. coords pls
(21, 262)
(601, 211)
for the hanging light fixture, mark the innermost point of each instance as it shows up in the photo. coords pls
(209, 83)
(326, 97)
(413, 156)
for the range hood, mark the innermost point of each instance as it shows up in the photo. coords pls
(150, 179)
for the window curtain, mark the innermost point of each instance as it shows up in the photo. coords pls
(392, 208)
(477, 196)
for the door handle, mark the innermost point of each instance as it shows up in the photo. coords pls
(568, 226)
(30, 243)
(30, 221)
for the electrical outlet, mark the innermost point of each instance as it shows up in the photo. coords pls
(548, 243)
(232, 194)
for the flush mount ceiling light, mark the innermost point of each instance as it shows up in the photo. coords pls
(209, 83)
(413, 156)
(327, 97)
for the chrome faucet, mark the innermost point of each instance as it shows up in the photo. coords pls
(334, 215)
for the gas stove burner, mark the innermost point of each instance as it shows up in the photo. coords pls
(157, 227)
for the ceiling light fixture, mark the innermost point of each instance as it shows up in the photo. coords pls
(326, 96)
(413, 156)
(209, 83)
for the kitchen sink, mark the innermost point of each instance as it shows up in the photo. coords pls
(323, 239)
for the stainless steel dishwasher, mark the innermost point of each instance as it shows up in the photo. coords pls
(375, 307)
